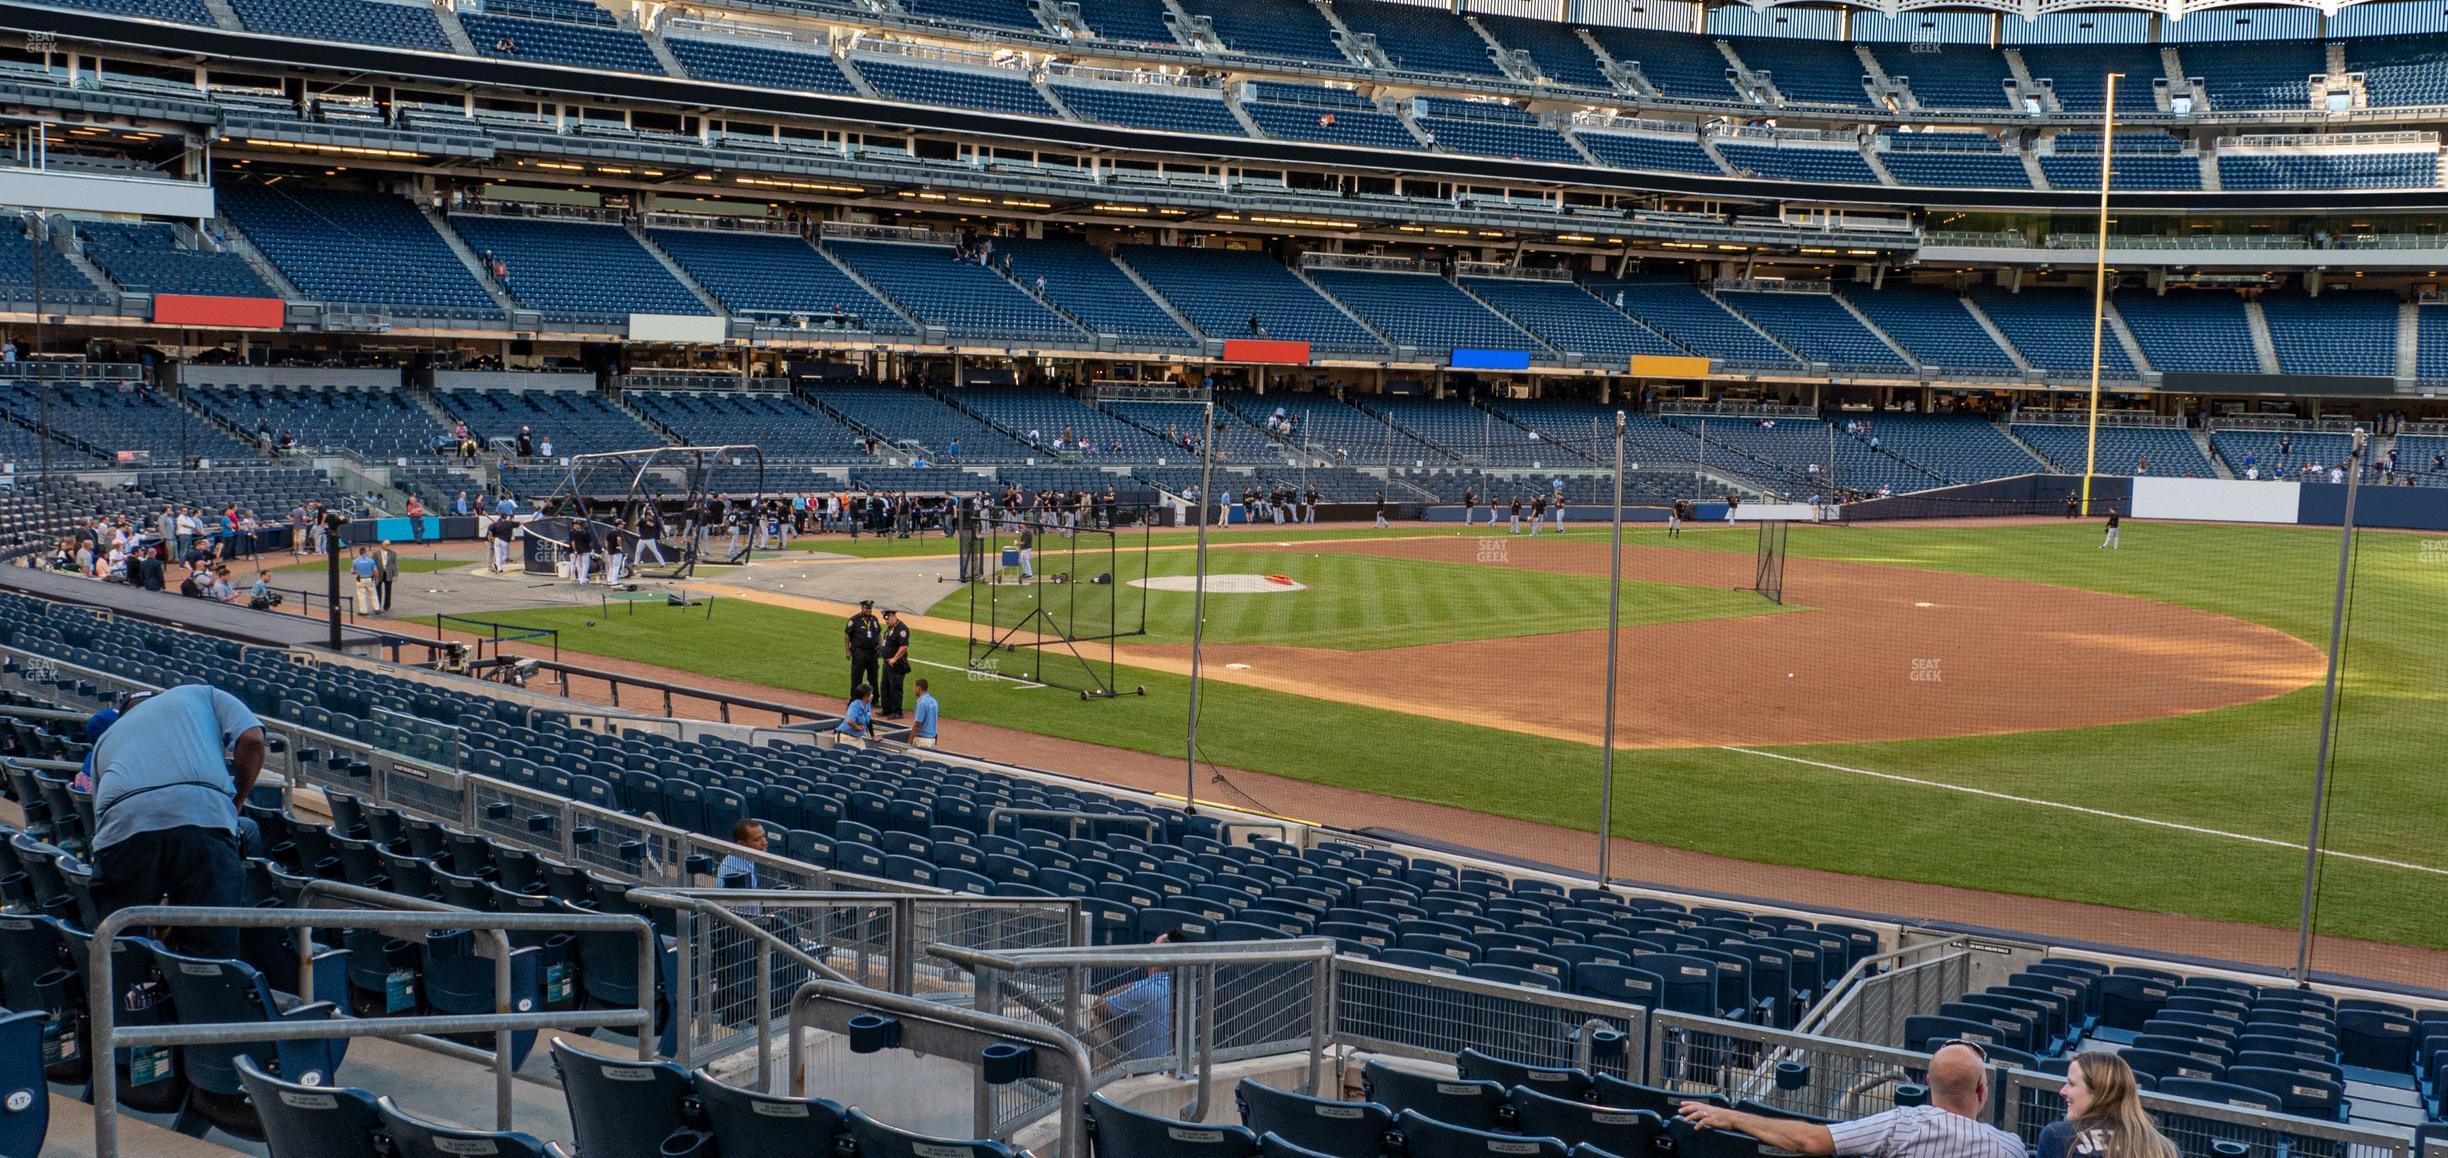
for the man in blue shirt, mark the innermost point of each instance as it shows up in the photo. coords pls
(923, 714)
(736, 871)
(166, 806)
(859, 720)
(1139, 1016)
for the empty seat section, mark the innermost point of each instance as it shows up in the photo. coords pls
(2138, 161)
(148, 258)
(403, 25)
(2078, 74)
(1696, 321)
(555, 42)
(896, 416)
(1787, 161)
(2339, 332)
(1957, 76)
(2401, 70)
(1328, 116)
(995, 90)
(2051, 328)
(1556, 49)
(1819, 327)
(779, 424)
(1049, 413)
(384, 423)
(2169, 452)
(808, 69)
(776, 276)
(576, 421)
(62, 281)
(968, 299)
(1014, 14)
(1422, 310)
(1180, 109)
(2330, 169)
(1679, 65)
(1493, 130)
(1645, 151)
(1566, 317)
(182, 11)
(2265, 74)
(1144, 21)
(577, 271)
(1962, 160)
(2202, 331)
(1932, 323)
(359, 248)
(1087, 284)
(1958, 448)
(1812, 72)
(1286, 28)
(1421, 39)
(1221, 290)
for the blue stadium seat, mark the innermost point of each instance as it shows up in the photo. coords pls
(874, 1139)
(1560, 1081)
(412, 1137)
(208, 991)
(1425, 1137)
(1616, 1128)
(1461, 1101)
(1339, 1128)
(748, 1122)
(301, 1121)
(621, 1108)
(25, 1098)
(1117, 1131)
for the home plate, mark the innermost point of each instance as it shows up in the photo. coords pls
(1238, 584)
(1925, 605)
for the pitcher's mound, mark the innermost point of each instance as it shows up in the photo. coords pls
(1224, 584)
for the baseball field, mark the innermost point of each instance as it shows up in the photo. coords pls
(1998, 706)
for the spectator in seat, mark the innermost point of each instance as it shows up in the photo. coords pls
(2104, 1114)
(1948, 1127)
(166, 807)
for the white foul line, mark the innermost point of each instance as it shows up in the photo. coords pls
(978, 674)
(1970, 791)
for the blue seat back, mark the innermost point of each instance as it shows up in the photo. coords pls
(1339, 1128)
(877, 1140)
(1561, 1081)
(620, 1109)
(305, 1121)
(747, 1122)
(1619, 1129)
(207, 990)
(1425, 1137)
(413, 1137)
(1117, 1131)
(25, 1098)
(1460, 1101)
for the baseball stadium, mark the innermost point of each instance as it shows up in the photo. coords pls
(1239, 578)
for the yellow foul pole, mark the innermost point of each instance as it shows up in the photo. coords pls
(2099, 291)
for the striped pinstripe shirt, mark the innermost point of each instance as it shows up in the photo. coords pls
(1924, 1132)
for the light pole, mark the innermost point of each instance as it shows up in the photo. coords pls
(2328, 719)
(1198, 609)
(1606, 748)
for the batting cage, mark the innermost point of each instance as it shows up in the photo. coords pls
(666, 509)
(1050, 594)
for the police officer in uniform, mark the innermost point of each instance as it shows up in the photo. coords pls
(860, 638)
(896, 663)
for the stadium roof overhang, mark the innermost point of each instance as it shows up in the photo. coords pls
(427, 68)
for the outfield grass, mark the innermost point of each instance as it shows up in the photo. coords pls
(1354, 601)
(2245, 770)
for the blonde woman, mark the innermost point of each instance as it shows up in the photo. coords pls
(2104, 1114)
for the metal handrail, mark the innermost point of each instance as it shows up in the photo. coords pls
(834, 997)
(1842, 992)
(102, 992)
(700, 902)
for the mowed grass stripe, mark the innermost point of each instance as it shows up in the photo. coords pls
(1705, 800)
(1363, 602)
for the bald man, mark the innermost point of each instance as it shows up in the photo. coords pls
(1948, 1127)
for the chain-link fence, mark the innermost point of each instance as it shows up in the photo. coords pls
(1433, 1016)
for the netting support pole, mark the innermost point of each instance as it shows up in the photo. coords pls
(2328, 719)
(1606, 746)
(2099, 292)
(1198, 611)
